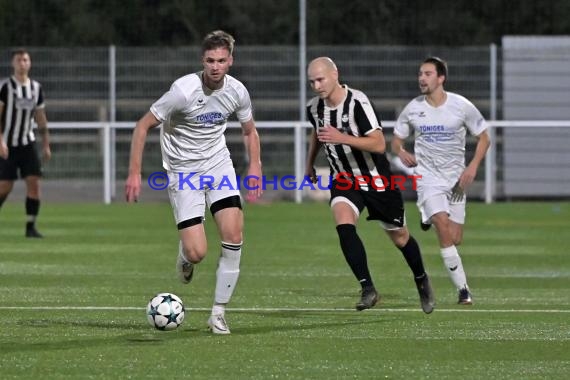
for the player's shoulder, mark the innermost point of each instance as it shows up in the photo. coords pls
(313, 102)
(455, 98)
(188, 81)
(416, 103)
(234, 83)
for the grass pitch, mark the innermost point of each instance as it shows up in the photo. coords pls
(73, 304)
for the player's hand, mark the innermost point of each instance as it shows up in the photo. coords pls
(330, 135)
(254, 181)
(3, 149)
(467, 177)
(457, 193)
(133, 188)
(408, 159)
(46, 154)
(311, 173)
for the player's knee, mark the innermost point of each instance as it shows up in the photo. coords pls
(399, 237)
(194, 253)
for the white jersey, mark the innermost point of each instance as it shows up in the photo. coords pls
(194, 121)
(440, 136)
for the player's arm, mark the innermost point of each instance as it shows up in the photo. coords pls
(468, 175)
(133, 184)
(407, 158)
(3, 146)
(253, 148)
(314, 147)
(41, 120)
(371, 138)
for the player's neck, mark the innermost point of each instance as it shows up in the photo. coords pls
(22, 78)
(436, 98)
(336, 97)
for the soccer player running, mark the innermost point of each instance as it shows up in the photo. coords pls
(21, 103)
(194, 114)
(346, 125)
(439, 121)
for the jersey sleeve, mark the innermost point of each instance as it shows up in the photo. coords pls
(4, 92)
(173, 100)
(41, 99)
(474, 121)
(402, 127)
(244, 111)
(365, 116)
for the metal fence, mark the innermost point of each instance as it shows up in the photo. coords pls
(95, 94)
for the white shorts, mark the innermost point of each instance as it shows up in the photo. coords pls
(434, 199)
(190, 194)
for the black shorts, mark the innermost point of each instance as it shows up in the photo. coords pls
(22, 160)
(386, 206)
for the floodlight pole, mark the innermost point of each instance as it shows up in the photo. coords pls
(300, 136)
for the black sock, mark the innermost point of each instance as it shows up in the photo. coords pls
(32, 210)
(354, 253)
(413, 256)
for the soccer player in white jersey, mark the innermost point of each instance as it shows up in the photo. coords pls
(346, 126)
(439, 121)
(194, 114)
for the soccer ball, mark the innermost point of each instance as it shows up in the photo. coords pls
(165, 311)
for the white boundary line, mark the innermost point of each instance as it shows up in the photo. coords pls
(308, 310)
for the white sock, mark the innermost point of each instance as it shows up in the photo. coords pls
(218, 309)
(454, 267)
(228, 272)
(181, 253)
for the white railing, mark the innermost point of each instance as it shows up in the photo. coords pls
(107, 130)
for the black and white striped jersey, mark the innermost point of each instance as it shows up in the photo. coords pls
(20, 101)
(355, 116)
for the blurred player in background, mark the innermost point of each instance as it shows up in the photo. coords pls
(346, 125)
(194, 114)
(439, 121)
(22, 102)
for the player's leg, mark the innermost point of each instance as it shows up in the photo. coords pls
(229, 219)
(439, 209)
(226, 207)
(30, 169)
(346, 207)
(8, 174)
(388, 208)
(188, 207)
(32, 205)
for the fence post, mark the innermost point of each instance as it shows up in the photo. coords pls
(299, 150)
(490, 160)
(107, 163)
(113, 117)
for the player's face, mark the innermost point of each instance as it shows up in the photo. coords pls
(323, 80)
(216, 63)
(428, 79)
(21, 64)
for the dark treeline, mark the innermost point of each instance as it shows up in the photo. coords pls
(275, 22)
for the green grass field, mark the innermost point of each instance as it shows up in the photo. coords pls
(73, 304)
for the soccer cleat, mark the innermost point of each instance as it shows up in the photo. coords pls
(368, 298)
(217, 324)
(185, 270)
(31, 232)
(425, 291)
(465, 297)
(425, 226)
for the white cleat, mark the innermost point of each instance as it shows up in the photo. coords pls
(217, 324)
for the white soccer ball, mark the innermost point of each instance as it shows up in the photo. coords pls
(165, 311)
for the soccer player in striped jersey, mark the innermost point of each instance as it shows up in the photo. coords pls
(439, 121)
(194, 115)
(346, 125)
(22, 102)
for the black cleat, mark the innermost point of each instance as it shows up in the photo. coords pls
(465, 297)
(31, 232)
(368, 298)
(425, 291)
(425, 226)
